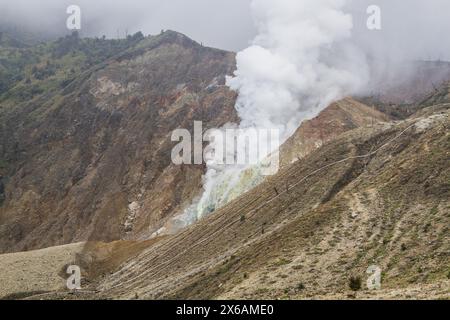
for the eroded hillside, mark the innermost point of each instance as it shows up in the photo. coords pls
(92, 161)
(377, 195)
(306, 231)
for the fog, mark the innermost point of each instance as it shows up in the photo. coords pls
(217, 23)
(411, 29)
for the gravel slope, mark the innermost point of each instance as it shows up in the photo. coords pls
(26, 273)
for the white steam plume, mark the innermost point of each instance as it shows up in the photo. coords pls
(299, 63)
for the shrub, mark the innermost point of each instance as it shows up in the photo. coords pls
(355, 283)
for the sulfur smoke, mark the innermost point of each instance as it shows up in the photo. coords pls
(300, 61)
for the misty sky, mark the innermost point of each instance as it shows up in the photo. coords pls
(411, 28)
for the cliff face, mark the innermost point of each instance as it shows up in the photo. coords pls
(92, 161)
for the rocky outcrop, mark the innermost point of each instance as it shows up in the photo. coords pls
(339, 117)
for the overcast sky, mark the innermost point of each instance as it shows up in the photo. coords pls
(413, 28)
(225, 24)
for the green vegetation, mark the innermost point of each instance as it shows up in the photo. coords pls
(434, 211)
(3, 164)
(355, 283)
(29, 71)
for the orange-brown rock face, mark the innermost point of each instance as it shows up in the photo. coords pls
(339, 117)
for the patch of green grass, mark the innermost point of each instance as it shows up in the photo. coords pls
(28, 72)
(3, 164)
(434, 211)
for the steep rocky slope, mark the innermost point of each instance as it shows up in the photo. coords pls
(338, 118)
(92, 161)
(376, 195)
(399, 94)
